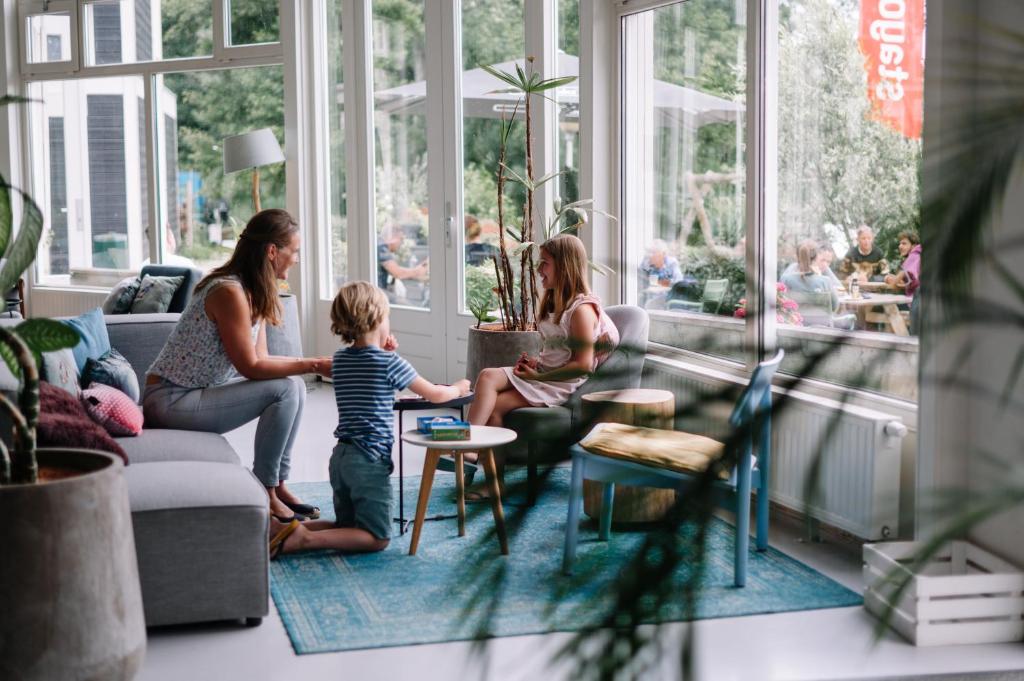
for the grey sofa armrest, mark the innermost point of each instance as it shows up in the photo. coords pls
(140, 337)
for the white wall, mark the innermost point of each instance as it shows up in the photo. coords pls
(959, 427)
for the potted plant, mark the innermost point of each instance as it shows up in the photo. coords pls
(71, 601)
(501, 344)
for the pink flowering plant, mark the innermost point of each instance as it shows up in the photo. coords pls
(786, 309)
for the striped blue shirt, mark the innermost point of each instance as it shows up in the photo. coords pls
(365, 381)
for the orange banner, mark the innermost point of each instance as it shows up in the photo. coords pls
(892, 40)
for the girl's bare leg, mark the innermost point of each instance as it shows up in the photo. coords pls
(489, 384)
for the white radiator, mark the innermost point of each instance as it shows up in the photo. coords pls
(47, 302)
(859, 481)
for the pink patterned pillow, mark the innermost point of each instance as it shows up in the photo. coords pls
(112, 409)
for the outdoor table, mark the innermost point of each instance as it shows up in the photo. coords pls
(889, 303)
(482, 440)
(879, 287)
(416, 403)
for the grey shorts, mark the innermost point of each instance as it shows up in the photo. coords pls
(362, 490)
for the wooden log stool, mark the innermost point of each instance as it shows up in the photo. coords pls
(636, 407)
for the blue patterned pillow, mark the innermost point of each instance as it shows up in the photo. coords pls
(114, 370)
(155, 294)
(59, 369)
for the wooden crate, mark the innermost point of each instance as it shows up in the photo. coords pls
(964, 595)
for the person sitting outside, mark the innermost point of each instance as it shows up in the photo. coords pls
(908, 243)
(477, 252)
(865, 259)
(658, 268)
(808, 280)
(388, 269)
(908, 277)
(822, 264)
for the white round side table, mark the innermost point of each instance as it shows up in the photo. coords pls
(482, 440)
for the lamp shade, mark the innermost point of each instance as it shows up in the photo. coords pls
(251, 150)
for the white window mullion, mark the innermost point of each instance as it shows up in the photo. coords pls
(539, 19)
(318, 150)
(221, 12)
(444, 146)
(357, 46)
(600, 144)
(152, 179)
(762, 170)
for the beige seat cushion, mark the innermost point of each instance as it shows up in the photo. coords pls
(668, 449)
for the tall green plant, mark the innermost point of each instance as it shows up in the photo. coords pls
(22, 346)
(518, 295)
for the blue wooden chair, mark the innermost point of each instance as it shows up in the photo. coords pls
(653, 469)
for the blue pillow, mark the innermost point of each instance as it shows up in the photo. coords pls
(95, 342)
(114, 370)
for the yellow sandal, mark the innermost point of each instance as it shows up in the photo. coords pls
(277, 543)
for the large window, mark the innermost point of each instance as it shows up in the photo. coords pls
(848, 190)
(131, 167)
(492, 35)
(88, 134)
(848, 157)
(683, 141)
(335, 237)
(400, 133)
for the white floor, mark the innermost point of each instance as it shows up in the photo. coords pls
(821, 644)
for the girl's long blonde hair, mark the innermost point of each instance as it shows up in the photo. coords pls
(249, 262)
(570, 274)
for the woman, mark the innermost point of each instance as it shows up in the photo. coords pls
(214, 373)
(807, 282)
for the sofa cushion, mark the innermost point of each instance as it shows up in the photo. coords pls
(140, 338)
(95, 342)
(201, 540)
(60, 369)
(121, 296)
(161, 444)
(64, 423)
(114, 370)
(115, 411)
(155, 293)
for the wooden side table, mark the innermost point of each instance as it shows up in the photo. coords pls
(637, 407)
(482, 440)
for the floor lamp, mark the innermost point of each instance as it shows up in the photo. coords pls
(250, 150)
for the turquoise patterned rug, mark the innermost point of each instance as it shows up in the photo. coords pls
(330, 602)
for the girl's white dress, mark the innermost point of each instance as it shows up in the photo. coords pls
(556, 353)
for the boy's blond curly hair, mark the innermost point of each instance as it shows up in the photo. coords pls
(358, 309)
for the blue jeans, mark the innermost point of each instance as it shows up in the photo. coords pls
(277, 403)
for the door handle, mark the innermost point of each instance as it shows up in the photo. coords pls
(448, 223)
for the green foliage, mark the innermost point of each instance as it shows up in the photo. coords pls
(21, 347)
(703, 263)
(837, 165)
(481, 299)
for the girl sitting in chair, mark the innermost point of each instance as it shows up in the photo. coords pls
(577, 336)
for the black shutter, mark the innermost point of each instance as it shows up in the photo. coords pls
(107, 33)
(58, 198)
(171, 170)
(107, 191)
(143, 31)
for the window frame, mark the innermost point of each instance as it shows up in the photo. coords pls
(223, 57)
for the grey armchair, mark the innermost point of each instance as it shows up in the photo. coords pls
(558, 427)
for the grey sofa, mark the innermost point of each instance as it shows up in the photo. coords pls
(199, 517)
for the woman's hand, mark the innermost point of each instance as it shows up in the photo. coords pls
(321, 365)
(526, 361)
(462, 386)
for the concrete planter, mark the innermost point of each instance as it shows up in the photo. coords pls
(489, 346)
(286, 340)
(69, 582)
